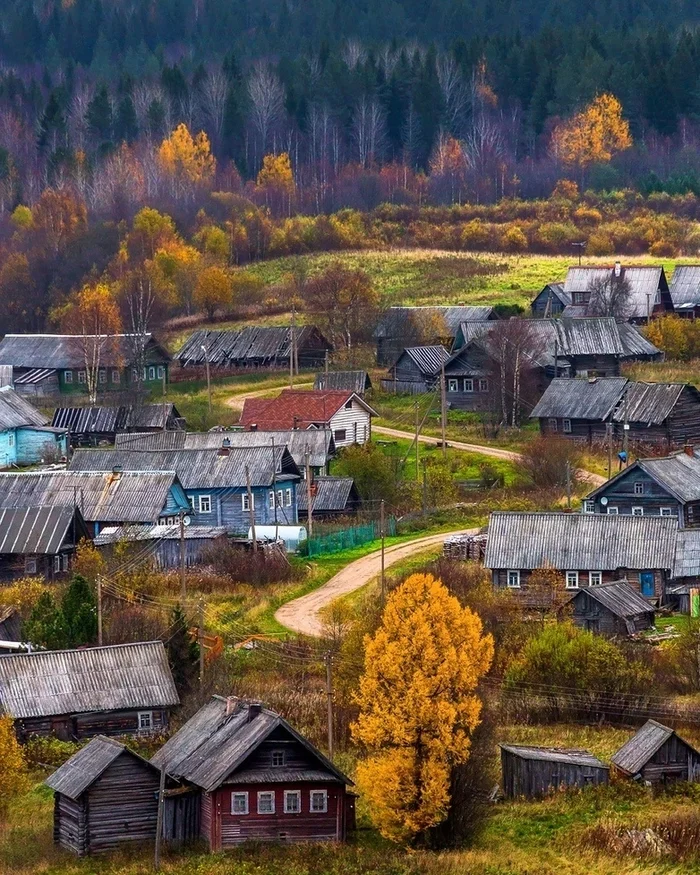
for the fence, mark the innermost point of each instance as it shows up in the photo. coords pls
(344, 539)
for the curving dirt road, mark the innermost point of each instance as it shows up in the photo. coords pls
(302, 614)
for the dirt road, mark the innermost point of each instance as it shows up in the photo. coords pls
(301, 615)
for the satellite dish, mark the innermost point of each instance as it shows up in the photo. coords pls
(603, 501)
(186, 520)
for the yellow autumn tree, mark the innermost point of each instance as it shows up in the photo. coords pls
(418, 705)
(276, 172)
(13, 769)
(187, 158)
(593, 135)
(213, 290)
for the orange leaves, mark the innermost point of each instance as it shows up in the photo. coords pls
(276, 172)
(13, 769)
(593, 135)
(186, 158)
(213, 290)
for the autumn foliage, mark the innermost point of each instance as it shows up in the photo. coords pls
(13, 769)
(593, 135)
(418, 705)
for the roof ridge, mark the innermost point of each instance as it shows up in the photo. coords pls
(82, 649)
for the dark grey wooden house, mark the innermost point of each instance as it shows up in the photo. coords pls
(40, 541)
(117, 690)
(649, 293)
(89, 426)
(254, 347)
(469, 377)
(663, 414)
(416, 370)
(658, 755)
(587, 549)
(331, 497)
(358, 382)
(579, 408)
(685, 290)
(667, 486)
(551, 301)
(612, 609)
(533, 772)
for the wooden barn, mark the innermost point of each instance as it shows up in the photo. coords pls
(416, 370)
(116, 690)
(658, 755)
(258, 779)
(533, 772)
(664, 414)
(165, 543)
(579, 408)
(40, 541)
(613, 609)
(89, 426)
(358, 382)
(685, 290)
(331, 497)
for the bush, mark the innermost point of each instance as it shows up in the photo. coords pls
(513, 239)
(247, 567)
(548, 461)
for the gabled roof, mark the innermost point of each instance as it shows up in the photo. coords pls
(219, 738)
(39, 530)
(651, 403)
(580, 399)
(557, 291)
(678, 474)
(129, 497)
(297, 409)
(115, 534)
(428, 359)
(687, 562)
(572, 756)
(78, 773)
(395, 319)
(16, 411)
(198, 469)
(67, 350)
(576, 541)
(105, 420)
(332, 494)
(121, 676)
(252, 344)
(635, 344)
(644, 284)
(345, 381)
(619, 598)
(635, 753)
(685, 286)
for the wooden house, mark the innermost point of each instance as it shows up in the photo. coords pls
(686, 570)
(254, 347)
(165, 543)
(649, 293)
(667, 486)
(358, 382)
(656, 754)
(416, 370)
(550, 302)
(258, 779)
(89, 426)
(534, 772)
(331, 497)
(50, 364)
(587, 549)
(25, 436)
(579, 409)
(685, 290)
(348, 416)
(612, 609)
(40, 541)
(401, 327)
(215, 481)
(10, 624)
(104, 498)
(469, 377)
(117, 690)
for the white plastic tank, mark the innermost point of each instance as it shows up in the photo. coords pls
(292, 536)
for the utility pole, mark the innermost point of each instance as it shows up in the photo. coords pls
(609, 430)
(159, 818)
(568, 484)
(325, 368)
(381, 534)
(99, 610)
(443, 411)
(292, 338)
(556, 358)
(329, 693)
(206, 363)
(417, 433)
(309, 514)
(274, 488)
(425, 486)
(200, 641)
(251, 509)
(183, 582)
(625, 432)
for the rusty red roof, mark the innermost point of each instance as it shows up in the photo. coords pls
(296, 408)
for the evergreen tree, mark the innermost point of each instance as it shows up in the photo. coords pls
(45, 626)
(183, 652)
(126, 124)
(79, 610)
(99, 115)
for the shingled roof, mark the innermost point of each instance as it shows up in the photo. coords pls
(67, 350)
(296, 408)
(16, 411)
(580, 541)
(580, 399)
(121, 676)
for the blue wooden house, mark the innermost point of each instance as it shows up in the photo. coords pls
(215, 480)
(25, 437)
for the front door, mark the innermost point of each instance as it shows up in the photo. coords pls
(646, 580)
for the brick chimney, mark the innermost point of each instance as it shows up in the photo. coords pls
(254, 710)
(689, 450)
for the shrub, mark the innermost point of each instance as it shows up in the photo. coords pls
(663, 249)
(549, 460)
(247, 567)
(475, 235)
(513, 239)
(13, 768)
(600, 243)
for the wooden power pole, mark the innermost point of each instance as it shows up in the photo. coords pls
(381, 534)
(251, 509)
(159, 818)
(99, 610)
(200, 641)
(443, 411)
(183, 580)
(309, 509)
(329, 694)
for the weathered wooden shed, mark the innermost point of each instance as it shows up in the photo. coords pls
(533, 772)
(579, 408)
(330, 497)
(165, 543)
(416, 370)
(658, 755)
(358, 382)
(611, 609)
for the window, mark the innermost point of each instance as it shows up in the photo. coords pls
(579, 298)
(266, 802)
(66, 562)
(612, 510)
(589, 506)
(161, 372)
(483, 385)
(469, 385)
(666, 511)
(271, 499)
(151, 373)
(116, 376)
(348, 404)
(280, 498)
(135, 375)
(145, 373)
(340, 434)
(318, 801)
(30, 565)
(566, 426)
(452, 386)
(145, 720)
(57, 564)
(572, 579)
(81, 376)
(639, 489)
(514, 580)
(192, 500)
(553, 424)
(68, 376)
(11, 439)
(246, 501)
(205, 503)
(239, 803)
(292, 801)
(637, 511)
(102, 376)
(277, 758)
(288, 497)
(595, 578)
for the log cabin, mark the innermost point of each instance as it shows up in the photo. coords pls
(649, 294)
(656, 754)
(611, 609)
(253, 347)
(40, 541)
(579, 409)
(534, 772)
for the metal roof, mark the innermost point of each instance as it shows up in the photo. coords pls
(685, 285)
(428, 359)
(645, 282)
(572, 756)
(35, 530)
(86, 765)
(218, 739)
(394, 319)
(577, 541)
(16, 411)
(348, 381)
(687, 562)
(248, 345)
(198, 469)
(121, 676)
(332, 494)
(636, 752)
(651, 403)
(635, 344)
(10, 623)
(129, 497)
(297, 409)
(679, 474)
(580, 399)
(107, 420)
(115, 534)
(33, 376)
(619, 598)
(53, 351)
(279, 776)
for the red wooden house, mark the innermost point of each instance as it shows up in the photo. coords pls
(258, 779)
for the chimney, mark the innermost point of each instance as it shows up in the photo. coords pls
(618, 268)
(117, 472)
(688, 450)
(254, 709)
(231, 702)
(295, 426)
(226, 442)
(253, 426)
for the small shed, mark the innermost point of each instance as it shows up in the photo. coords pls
(533, 772)
(346, 381)
(330, 497)
(163, 542)
(611, 609)
(658, 755)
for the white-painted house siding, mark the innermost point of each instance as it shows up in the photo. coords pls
(355, 422)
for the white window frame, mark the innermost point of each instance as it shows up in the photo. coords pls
(588, 505)
(516, 578)
(68, 376)
(269, 794)
(247, 501)
(292, 794)
(205, 500)
(280, 498)
(66, 562)
(324, 796)
(553, 424)
(483, 385)
(30, 565)
(595, 578)
(281, 755)
(242, 796)
(102, 375)
(666, 511)
(288, 497)
(161, 372)
(11, 439)
(613, 510)
(639, 487)
(572, 579)
(145, 721)
(271, 499)
(192, 500)
(453, 385)
(82, 377)
(57, 564)
(151, 372)
(468, 384)
(566, 426)
(637, 510)
(338, 432)
(116, 376)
